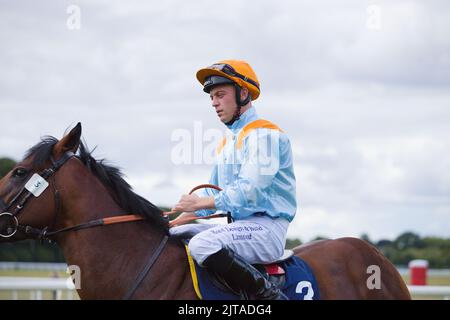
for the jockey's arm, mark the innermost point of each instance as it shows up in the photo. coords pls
(182, 219)
(187, 205)
(192, 202)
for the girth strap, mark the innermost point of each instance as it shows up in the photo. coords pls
(147, 268)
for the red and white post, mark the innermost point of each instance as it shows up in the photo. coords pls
(418, 272)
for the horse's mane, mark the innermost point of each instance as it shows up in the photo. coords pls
(110, 176)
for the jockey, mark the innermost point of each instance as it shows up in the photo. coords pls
(255, 171)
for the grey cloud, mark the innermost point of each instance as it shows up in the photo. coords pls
(351, 99)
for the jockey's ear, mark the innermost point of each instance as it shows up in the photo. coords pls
(70, 142)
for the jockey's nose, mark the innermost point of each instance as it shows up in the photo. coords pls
(215, 102)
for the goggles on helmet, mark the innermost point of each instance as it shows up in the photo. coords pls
(229, 70)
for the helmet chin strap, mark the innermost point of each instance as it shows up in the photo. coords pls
(236, 116)
(240, 103)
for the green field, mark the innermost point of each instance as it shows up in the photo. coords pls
(6, 295)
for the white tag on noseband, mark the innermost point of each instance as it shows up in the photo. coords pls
(36, 185)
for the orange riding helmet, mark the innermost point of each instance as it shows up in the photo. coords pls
(238, 71)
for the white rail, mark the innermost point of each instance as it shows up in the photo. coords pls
(36, 286)
(29, 283)
(44, 266)
(430, 290)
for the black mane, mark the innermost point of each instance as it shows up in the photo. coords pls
(111, 177)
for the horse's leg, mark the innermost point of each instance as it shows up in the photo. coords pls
(341, 268)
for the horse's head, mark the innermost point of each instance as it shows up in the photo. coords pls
(28, 193)
(51, 184)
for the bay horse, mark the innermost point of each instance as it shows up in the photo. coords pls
(121, 243)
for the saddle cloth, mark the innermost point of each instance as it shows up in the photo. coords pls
(297, 283)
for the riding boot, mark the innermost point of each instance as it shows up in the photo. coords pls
(242, 276)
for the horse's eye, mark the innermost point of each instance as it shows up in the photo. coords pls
(20, 173)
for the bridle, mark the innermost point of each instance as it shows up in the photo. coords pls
(44, 234)
(25, 194)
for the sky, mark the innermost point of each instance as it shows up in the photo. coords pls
(362, 88)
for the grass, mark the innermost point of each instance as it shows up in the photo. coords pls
(28, 295)
(33, 273)
(432, 281)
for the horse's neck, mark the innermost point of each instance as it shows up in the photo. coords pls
(111, 257)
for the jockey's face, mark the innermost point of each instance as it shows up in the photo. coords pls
(223, 98)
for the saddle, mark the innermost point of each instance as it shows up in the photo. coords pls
(272, 271)
(292, 275)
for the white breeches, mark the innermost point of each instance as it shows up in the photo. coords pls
(257, 239)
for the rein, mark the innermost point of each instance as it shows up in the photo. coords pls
(189, 219)
(44, 234)
(39, 184)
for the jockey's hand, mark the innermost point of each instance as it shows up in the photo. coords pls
(183, 218)
(187, 203)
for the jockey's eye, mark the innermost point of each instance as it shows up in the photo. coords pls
(20, 173)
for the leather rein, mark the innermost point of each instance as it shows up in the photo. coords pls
(44, 234)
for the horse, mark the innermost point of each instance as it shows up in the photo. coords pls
(121, 241)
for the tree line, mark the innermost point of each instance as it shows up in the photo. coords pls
(406, 247)
(400, 251)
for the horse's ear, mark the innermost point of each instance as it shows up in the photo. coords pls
(70, 142)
